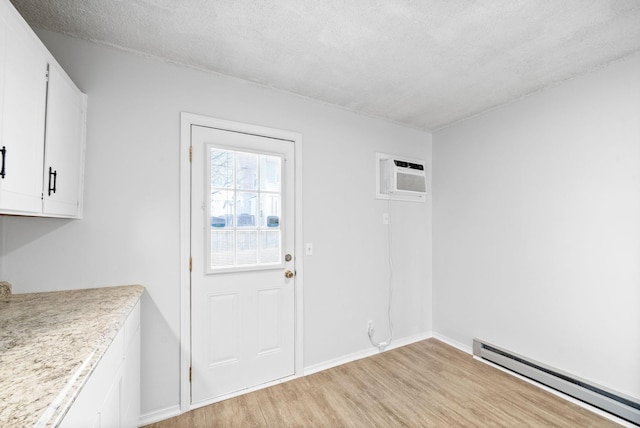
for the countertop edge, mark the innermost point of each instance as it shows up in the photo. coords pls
(82, 375)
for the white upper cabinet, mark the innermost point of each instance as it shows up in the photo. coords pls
(63, 152)
(42, 116)
(23, 99)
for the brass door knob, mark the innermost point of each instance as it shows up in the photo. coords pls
(288, 274)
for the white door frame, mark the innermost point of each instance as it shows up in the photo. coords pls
(186, 121)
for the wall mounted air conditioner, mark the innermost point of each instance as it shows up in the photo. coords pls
(400, 178)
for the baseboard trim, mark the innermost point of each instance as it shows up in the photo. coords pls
(464, 348)
(159, 415)
(396, 343)
(325, 365)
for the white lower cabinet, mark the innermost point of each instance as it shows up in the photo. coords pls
(111, 396)
(130, 387)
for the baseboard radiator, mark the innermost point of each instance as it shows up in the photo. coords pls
(615, 403)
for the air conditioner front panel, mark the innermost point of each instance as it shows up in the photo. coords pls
(400, 178)
(410, 183)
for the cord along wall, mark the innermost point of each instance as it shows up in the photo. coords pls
(397, 179)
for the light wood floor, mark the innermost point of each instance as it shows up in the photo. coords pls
(426, 384)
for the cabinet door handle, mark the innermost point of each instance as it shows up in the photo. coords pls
(55, 179)
(4, 155)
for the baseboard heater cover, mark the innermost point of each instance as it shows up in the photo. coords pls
(613, 402)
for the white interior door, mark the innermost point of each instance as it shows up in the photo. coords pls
(243, 272)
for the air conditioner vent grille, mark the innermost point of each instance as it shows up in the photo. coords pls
(410, 183)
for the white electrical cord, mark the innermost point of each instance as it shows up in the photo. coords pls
(382, 345)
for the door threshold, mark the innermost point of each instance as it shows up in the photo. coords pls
(241, 392)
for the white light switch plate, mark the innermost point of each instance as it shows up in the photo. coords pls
(308, 249)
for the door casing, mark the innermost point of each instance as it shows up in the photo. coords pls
(186, 121)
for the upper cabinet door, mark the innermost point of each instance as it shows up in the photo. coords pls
(63, 165)
(3, 48)
(22, 123)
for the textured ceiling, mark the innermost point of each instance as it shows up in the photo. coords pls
(424, 63)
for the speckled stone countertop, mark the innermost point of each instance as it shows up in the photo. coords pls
(50, 343)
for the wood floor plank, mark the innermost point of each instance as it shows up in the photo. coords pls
(425, 384)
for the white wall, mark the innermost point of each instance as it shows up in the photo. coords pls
(130, 232)
(537, 227)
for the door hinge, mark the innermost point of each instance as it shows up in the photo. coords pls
(190, 263)
(190, 374)
(190, 153)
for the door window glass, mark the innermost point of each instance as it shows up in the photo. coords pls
(245, 209)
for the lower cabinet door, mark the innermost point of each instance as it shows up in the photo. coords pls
(110, 410)
(111, 396)
(130, 385)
